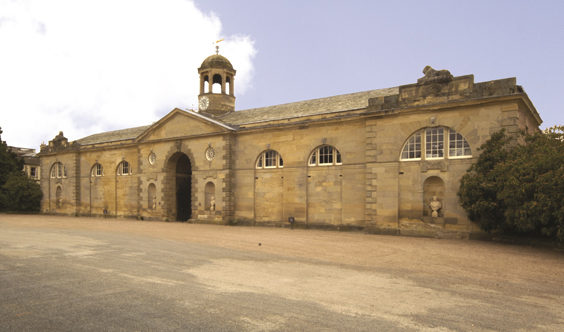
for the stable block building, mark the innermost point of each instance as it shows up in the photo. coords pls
(372, 160)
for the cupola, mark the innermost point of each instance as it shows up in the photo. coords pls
(217, 85)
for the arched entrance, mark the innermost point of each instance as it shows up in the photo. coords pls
(179, 165)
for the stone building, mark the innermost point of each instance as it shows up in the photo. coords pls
(30, 161)
(376, 160)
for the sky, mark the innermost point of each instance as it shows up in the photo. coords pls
(84, 67)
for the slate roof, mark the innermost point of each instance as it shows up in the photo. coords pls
(326, 105)
(29, 156)
(340, 103)
(112, 136)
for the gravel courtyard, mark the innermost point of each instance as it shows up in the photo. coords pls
(87, 274)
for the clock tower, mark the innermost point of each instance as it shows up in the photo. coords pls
(217, 86)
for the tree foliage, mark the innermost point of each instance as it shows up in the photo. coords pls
(9, 162)
(518, 187)
(17, 191)
(22, 194)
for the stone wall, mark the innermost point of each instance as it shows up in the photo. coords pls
(313, 195)
(372, 188)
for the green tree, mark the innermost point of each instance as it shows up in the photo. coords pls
(17, 191)
(9, 162)
(518, 188)
(22, 193)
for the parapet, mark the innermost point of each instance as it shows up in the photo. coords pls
(58, 143)
(439, 87)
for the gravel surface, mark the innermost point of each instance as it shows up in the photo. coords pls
(68, 273)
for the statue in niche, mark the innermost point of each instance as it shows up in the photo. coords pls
(435, 206)
(154, 203)
(212, 203)
(435, 76)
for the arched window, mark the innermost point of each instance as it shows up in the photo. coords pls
(270, 159)
(58, 170)
(123, 168)
(325, 155)
(97, 170)
(432, 142)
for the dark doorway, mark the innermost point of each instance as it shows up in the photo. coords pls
(183, 188)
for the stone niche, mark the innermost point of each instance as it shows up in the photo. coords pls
(433, 186)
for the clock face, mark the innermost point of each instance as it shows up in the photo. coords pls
(210, 153)
(204, 103)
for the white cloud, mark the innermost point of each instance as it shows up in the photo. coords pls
(89, 66)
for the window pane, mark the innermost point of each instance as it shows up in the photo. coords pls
(59, 170)
(259, 162)
(458, 146)
(270, 158)
(412, 149)
(97, 170)
(313, 158)
(325, 155)
(434, 143)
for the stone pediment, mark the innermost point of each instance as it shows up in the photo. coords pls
(179, 123)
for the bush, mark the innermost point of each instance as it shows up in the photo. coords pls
(518, 188)
(21, 194)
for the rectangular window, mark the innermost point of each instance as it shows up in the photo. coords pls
(125, 168)
(270, 159)
(434, 143)
(325, 155)
(97, 170)
(33, 172)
